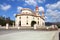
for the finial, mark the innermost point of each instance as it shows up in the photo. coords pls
(37, 7)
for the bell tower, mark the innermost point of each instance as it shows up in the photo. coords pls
(37, 10)
(43, 14)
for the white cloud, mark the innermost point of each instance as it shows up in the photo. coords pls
(5, 7)
(45, 16)
(54, 6)
(41, 1)
(31, 2)
(52, 13)
(19, 8)
(53, 10)
(34, 2)
(41, 9)
(14, 14)
(25, 5)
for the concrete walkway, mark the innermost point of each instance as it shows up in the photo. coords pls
(28, 35)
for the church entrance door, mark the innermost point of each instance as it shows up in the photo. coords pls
(32, 23)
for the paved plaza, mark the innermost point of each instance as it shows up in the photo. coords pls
(26, 35)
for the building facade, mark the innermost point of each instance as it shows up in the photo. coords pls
(27, 17)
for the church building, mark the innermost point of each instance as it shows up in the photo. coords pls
(29, 18)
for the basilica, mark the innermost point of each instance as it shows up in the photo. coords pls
(28, 18)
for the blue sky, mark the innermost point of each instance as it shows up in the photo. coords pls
(9, 8)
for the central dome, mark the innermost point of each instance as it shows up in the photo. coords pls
(26, 11)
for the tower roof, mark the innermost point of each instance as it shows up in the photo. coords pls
(37, 7)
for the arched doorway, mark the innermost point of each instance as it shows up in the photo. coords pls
(32, 23)
(19, 23)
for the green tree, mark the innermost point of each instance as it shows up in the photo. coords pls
(4, 20)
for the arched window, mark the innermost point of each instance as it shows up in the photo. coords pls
(38, 22)
(38, 18)
(27, 22)
(19, 23)
(20, 17)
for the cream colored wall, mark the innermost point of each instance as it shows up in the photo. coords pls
(24, 19)
(40, 21)
(30, 18)
(17, 21)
